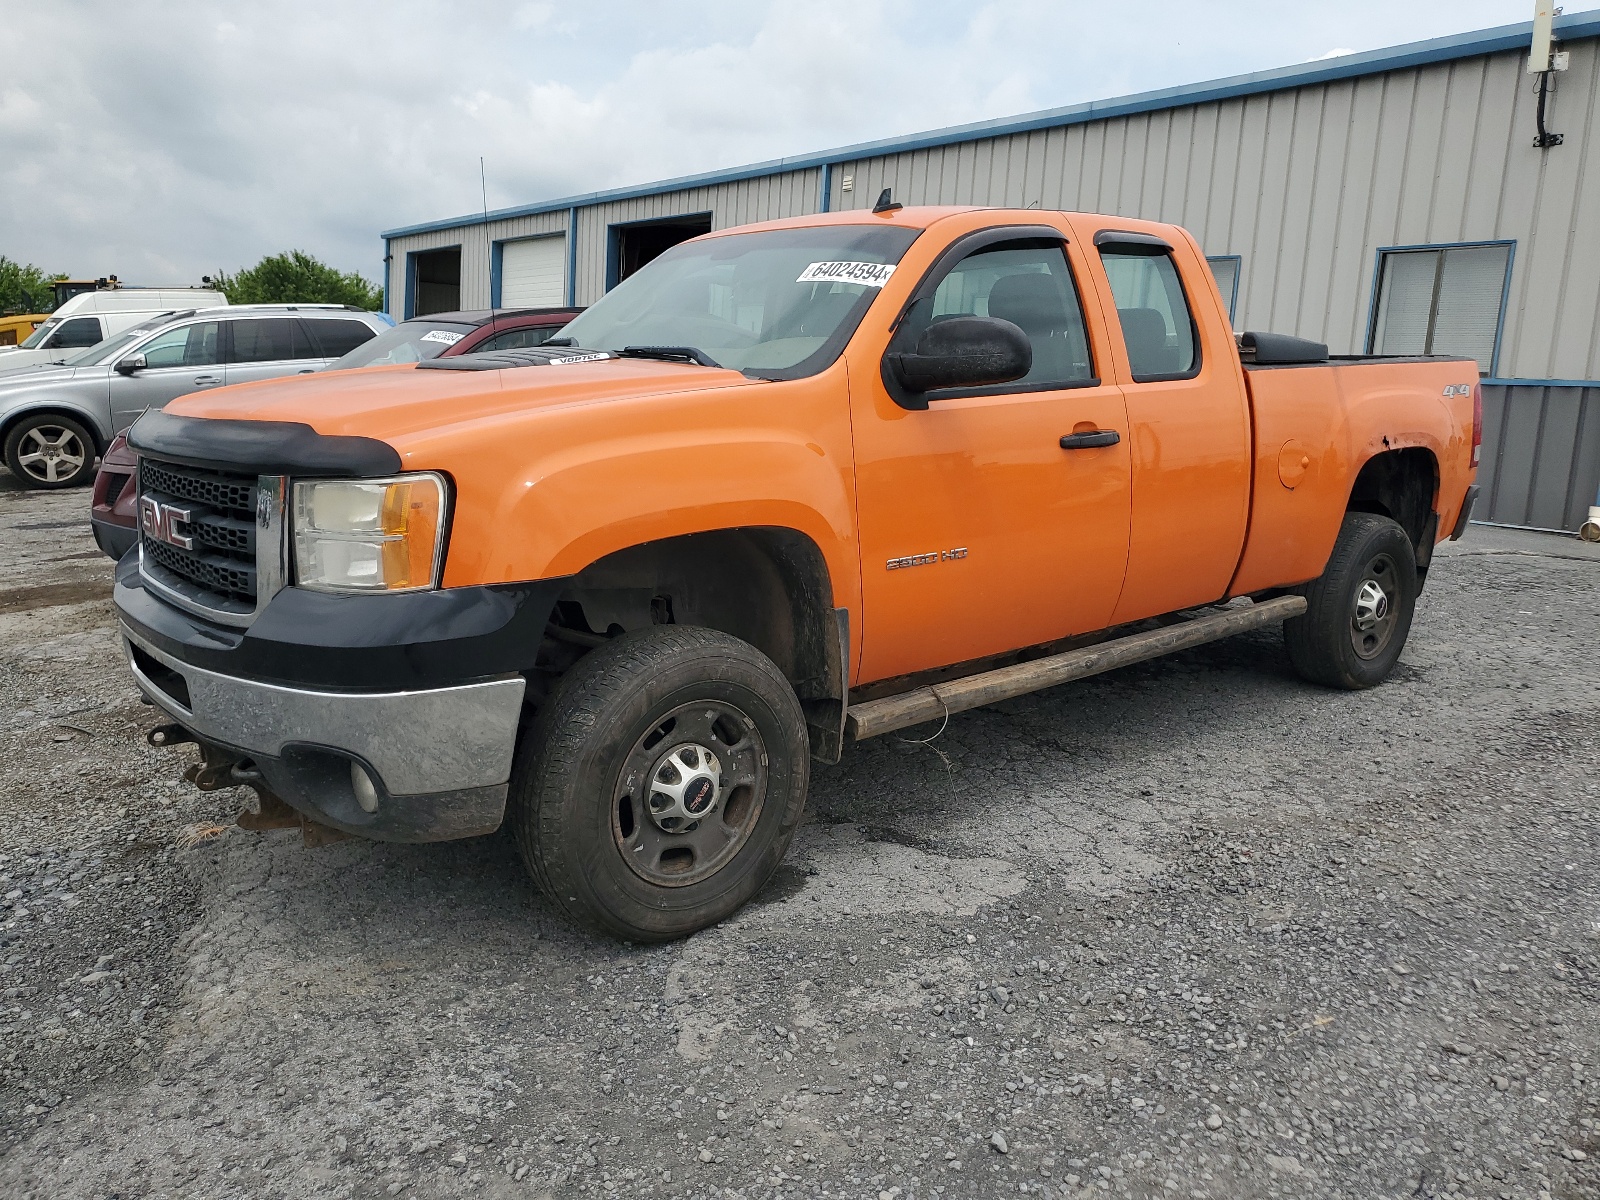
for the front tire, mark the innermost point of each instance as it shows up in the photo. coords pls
(49, 450)
(661, 783)
(1359, 611)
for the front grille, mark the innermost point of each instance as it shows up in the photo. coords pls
(212, 488)
(226, 577)
(221, 524)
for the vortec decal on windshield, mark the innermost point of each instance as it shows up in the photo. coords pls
(442, 335)
(870, 274)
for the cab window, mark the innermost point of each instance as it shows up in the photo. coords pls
(185, 346)
(77, 333)
(518, 339)
(1027, 283)
(1157, 327)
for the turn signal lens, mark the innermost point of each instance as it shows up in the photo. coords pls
(369, 535)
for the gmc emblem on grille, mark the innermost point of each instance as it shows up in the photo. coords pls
(160, 521)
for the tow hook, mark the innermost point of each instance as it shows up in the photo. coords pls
(219, 768)
(164, 736)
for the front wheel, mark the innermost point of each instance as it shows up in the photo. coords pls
(1359, 611)
(661, 783)
(50, 451)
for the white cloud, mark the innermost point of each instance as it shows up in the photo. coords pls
(161, 139)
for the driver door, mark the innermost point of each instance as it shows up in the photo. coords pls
(184, 359)
(981, 531)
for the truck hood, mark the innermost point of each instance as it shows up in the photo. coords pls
(394, 404)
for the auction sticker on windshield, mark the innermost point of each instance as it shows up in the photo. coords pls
(442, 335)
(869, 273)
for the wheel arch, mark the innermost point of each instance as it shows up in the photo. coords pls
(58, 409)
(1403, 485)
(769, 586)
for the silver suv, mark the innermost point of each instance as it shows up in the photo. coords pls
(56, 419)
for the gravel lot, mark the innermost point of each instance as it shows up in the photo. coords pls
(1193, 929)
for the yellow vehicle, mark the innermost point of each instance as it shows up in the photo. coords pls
(15, 327)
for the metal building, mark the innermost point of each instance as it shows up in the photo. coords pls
(1387, 202)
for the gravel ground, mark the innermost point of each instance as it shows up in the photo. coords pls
(1191, 929)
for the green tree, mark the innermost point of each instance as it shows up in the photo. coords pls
(297, 278)
(25, 288)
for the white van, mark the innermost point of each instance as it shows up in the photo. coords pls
(90, 317)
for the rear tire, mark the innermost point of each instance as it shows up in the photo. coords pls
(1359, 611)
(48, 450)
(659, 787)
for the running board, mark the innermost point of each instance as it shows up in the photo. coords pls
(932, 703)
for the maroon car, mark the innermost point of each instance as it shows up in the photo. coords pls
(440, 335)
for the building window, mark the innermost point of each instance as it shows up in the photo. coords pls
(1441, 300)
(1225, 268)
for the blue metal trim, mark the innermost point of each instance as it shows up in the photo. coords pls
(1238, 270)
(827, 188)
(572, 258)
(388, 291)
(1505, 287)
(1348, 66)
(410, 309)
(1493, 381)
(496, 253)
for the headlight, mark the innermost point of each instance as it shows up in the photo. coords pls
(369, 535)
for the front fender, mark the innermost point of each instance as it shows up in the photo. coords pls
(569, 487)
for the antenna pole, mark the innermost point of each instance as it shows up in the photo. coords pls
(483, 184)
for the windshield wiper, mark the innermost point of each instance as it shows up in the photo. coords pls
(671, 354)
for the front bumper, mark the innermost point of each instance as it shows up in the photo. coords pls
(422, 689)
(441, 757)
(113, 539)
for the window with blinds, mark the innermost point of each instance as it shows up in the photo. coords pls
(1444, 301)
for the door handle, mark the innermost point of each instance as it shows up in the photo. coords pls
(1091, 440)
(205, 380)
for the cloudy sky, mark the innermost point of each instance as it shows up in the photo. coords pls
(163, 139)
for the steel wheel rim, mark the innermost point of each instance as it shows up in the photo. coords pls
(1375, 607)
(51, 453)
(672, 830)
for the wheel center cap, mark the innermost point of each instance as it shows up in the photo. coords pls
(1372, 605)
(685, 787)
(699, 795)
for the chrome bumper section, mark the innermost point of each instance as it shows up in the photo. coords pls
(418, 742)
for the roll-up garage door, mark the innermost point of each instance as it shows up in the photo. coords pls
(533, 273)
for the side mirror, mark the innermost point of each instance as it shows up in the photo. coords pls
(127, 366)
(964, 352)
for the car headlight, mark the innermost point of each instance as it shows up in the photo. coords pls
(369, 535)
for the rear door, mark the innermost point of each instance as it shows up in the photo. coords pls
(1187, 413)
(267, 347)
(981, 530)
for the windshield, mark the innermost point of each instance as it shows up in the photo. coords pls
(779, 304)
(113, 346)
(408, 342)
(39, 334)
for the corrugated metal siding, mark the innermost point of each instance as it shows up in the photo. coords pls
(789, 194)
(1306, 185)
(474, 243)
(1541, 455)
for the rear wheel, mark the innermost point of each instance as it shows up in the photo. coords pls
(50, 451)
(661, 783)
(1359, 611)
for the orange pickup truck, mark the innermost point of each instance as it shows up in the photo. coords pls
(791, 485)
